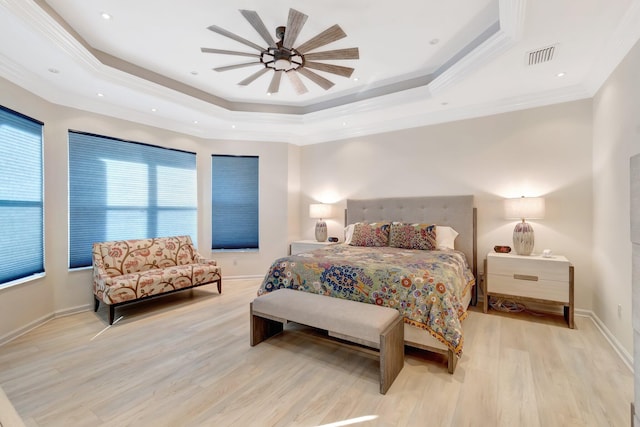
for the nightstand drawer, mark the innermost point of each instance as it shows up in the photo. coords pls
(526, 287)
(531, 268)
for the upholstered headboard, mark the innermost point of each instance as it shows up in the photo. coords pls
(455, 211)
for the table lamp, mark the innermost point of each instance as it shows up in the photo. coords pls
(524, 208)
(320, 210)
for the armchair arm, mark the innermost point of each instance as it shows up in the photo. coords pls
(199, 259)
(100, 276)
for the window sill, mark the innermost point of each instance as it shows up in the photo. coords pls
(21, 281)
(219, 251)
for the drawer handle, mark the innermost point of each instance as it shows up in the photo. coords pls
(525, 277)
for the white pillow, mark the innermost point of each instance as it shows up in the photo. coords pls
(445, 237)
(348, 233)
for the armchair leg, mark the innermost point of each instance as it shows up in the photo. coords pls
(96, 303)
(112, 311)
(220, 286)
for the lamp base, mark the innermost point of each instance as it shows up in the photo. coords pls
(321, 231)
(523, 238)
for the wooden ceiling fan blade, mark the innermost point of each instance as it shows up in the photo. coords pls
(330, 68)
(297, 83)
(316, 78)
(255, 21)
(274, 86)
(329, 35)
(236, 66)
(228, 52)
(253, 76)
(350, 53)
(235, 37)
(295, 22)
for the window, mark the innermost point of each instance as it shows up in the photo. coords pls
(234, 202)
(127, 190)
(21, 216)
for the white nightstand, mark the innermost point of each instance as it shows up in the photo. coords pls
(301, 246)
(530, 278)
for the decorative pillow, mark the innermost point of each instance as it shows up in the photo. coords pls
(413, 236)
(374, 234)
(348, 233)
(445, 237)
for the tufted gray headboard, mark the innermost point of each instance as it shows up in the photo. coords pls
(455, 211)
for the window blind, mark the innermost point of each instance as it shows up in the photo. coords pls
(21, 211)
(127, 190)
(234, 202)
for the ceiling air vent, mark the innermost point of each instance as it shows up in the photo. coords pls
(541, 55)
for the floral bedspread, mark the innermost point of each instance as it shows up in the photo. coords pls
(426, 287)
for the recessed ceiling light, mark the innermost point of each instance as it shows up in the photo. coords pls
(100, 94)
(344, 123)
(195, 122)
(105, 16)
(355, 79)
(434, 41)
(54, 70)
(154, 109)
(561, 74)
(233, 126)
(268, 93)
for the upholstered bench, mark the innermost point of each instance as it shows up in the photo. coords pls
(366, 324)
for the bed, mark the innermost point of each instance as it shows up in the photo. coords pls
(431, 288)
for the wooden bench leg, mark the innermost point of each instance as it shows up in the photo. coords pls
(391, 354)
(220, 286)
(452, 361)
(262, 328)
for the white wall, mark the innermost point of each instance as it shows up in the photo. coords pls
(616, 137)
(538, 152)
(62, 290)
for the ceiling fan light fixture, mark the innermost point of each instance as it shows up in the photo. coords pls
(283, 64)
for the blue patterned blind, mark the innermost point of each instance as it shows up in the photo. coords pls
(234, 202)
(127, 190)
(21, 213)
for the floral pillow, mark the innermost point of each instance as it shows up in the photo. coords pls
(413, 236)
(374, 234)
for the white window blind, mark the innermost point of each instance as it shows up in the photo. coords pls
(21, 212)
(234, 202)
(127, 190)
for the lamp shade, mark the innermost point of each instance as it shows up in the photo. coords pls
(319, 210)
(524, 208)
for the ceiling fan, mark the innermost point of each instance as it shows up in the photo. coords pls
(282, 58)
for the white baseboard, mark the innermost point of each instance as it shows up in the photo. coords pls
(73, 310)
(26, 328)
(613, 341)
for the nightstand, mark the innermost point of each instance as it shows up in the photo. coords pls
(533, 278)
(301, 246)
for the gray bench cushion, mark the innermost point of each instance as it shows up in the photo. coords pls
(349, 318)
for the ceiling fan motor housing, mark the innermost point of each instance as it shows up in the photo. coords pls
(282, 59)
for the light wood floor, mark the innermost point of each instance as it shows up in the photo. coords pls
(185, 360)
